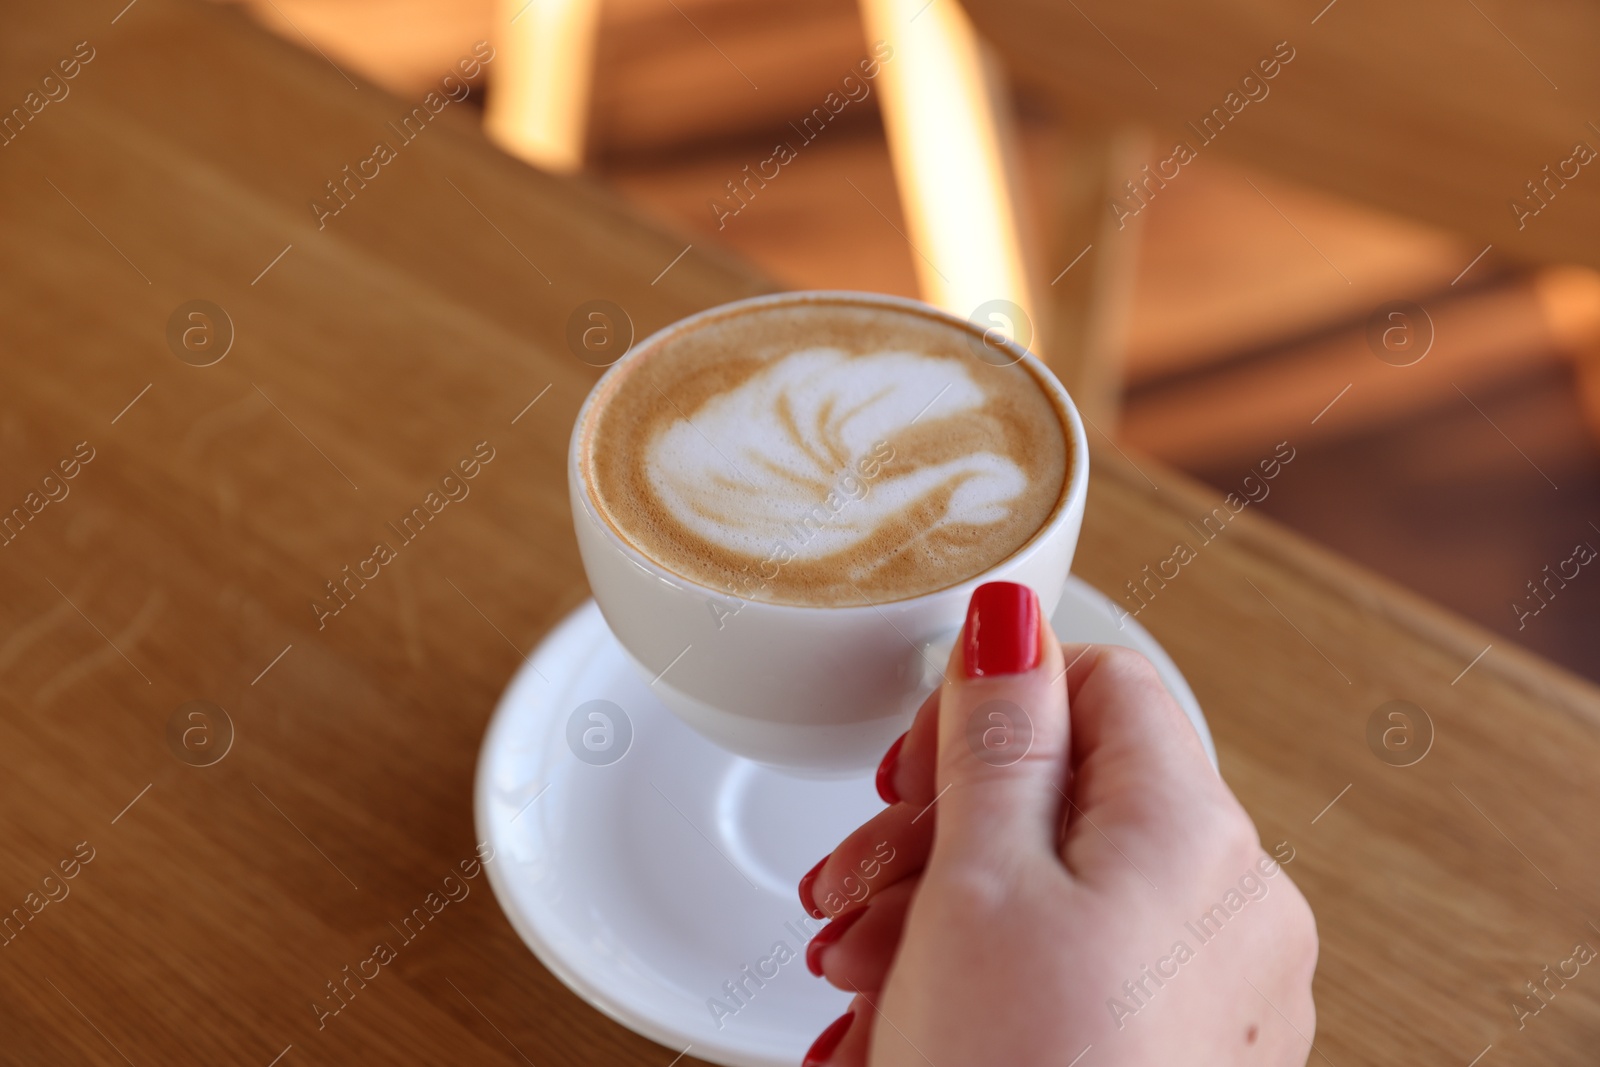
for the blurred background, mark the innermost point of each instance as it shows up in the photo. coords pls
(1215, 314)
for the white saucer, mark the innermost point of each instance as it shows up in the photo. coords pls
(657, 867)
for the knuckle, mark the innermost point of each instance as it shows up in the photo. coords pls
(970, 892)
(1240, 841)
(1226, 834)
(1302, 938)
(1126, 664)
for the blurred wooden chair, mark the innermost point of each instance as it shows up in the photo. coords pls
(1478, 119)
(1437, 114)
(947, 116)
(539, 110)
(1430, 112)
(1433, 109)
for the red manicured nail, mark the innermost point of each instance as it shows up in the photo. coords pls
(826, 937)
(886, 769)
(823, 1047)
(808, 881)
(1002, 632)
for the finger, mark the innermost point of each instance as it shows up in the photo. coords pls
(1142, 781)
(906, 774)
(846, 1041)
(891, 846)
(1003, 733)
(854, 952)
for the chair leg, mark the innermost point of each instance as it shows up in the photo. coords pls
(1087, 303)
(538, 107)
(945, 114)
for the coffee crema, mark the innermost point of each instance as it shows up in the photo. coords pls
(824, 453)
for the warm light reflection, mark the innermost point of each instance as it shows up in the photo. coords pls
(1569, 299)
(945, 117)
(538, 107)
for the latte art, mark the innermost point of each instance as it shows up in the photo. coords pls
(798, 460)
(824, 454)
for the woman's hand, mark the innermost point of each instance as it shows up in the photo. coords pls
(1091, 894)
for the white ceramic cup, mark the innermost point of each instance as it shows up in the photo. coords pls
(815, 691)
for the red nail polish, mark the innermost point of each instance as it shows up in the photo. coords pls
(823, 1047)
(806, 898)
(1002, 631)
(827, 936)
(886, 769)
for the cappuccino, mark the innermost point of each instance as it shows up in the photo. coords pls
(824, 453)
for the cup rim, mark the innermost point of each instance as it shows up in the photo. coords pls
(1073, 496)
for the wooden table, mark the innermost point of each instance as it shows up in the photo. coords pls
(370, 357)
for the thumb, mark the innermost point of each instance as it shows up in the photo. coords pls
(1003, 730)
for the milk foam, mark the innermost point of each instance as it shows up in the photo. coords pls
(780, 461)
(827, 452)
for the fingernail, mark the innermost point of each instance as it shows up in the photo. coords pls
(823, 1047)
(827, 936)
(806, 883)
(886, 769)
(1002, 631)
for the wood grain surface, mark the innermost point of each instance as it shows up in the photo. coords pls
(208, 907)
